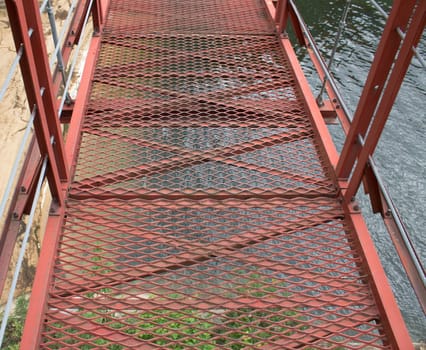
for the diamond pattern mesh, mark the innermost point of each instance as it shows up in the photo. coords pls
(202, 214)
(209, 274)
(195, 16)
(242, 116)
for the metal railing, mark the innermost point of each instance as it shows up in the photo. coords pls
(365, 167)
(401, 34)
(58, 63)
(31, 55)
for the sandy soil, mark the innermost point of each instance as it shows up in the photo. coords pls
(13, 107)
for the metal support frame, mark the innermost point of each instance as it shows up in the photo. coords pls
(63, 156)
(373, 185)
(383, 83)
(71, 38)
(385, 78)
(22, 196)
(42, 88)
(285, 11)
(38, 86)
(33, 322)
(383, 293)
(381, 72)
(40, 143)
(41, 281)
(12, 221)
(327, 149)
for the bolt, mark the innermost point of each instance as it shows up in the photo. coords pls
(356, 207)
(388, 212)
(15, 215)
(353, 199)
(72, 32)
(334, 100)
(376, 87)
(23, 189)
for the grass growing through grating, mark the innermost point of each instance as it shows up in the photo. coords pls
(179, 330)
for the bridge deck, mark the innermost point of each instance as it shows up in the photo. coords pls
(203, 213)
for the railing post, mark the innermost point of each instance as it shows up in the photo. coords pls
(281, 15)
(376, 80)
(97, 15)
(27, 30)
(405, 53)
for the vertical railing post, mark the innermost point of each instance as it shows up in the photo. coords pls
(381, 67)
(27, 30)
(281, 15)
(97, 16)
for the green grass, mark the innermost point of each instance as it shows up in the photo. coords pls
(15, 325)
(187, 329)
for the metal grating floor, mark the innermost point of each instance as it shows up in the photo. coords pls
(199, 115)
(203, 214)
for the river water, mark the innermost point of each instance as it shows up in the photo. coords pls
(400, 156)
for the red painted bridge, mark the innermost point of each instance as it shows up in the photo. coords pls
(208, 207)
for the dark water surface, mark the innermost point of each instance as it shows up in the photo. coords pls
(401, 155)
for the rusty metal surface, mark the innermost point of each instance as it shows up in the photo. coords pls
(203, 214)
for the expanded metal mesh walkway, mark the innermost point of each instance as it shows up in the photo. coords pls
(203, 212)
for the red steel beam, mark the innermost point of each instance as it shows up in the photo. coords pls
(33, 322)
(380, 201)
(38, 299)
(72, 38)
(45, 80)
(36, 309)
(12, 222)
(101, 193)
(413, 35)
(376, 81)
(23, 195)
(37, 78)
(393, 320)
(282, 15)
(97, 16)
